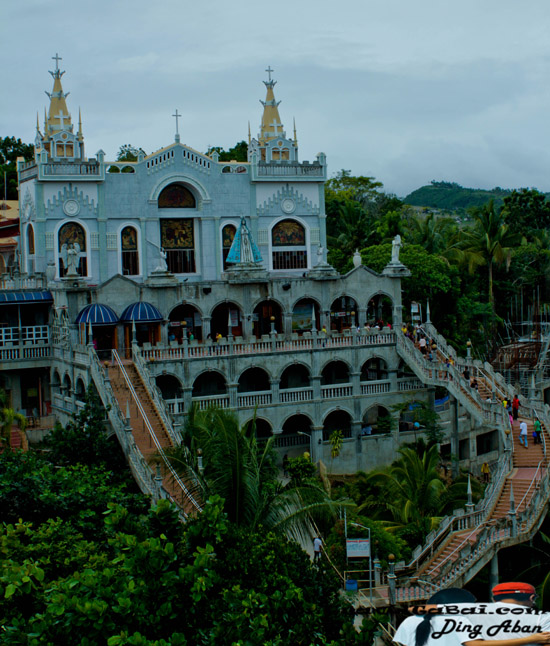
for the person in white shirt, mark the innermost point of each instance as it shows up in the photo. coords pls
(523, 433)
(317, 544)
(459, 624)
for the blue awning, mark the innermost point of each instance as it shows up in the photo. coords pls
(26, 297)
(141, 312)
(97, 314)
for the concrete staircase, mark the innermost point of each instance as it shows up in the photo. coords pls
(466, 541)
(150, 434)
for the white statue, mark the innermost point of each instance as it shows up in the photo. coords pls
(321, 255)
(162, 267)
(395, 246)
(357, 258)
(70, 254)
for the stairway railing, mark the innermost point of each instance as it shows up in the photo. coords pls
(154, 393)
(487, 534)
(153, 436)
(138, 465)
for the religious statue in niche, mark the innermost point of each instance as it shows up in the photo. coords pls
(288, 233)
(177, 234)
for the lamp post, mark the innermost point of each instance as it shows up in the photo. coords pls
(370, 557)
(468, 349)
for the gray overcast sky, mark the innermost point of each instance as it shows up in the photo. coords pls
(407, 91)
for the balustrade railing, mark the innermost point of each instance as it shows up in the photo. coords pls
(231, 347)
(154, 392)
(167, 464)
(140, 469)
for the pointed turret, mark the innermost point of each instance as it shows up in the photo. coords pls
(59, 140)
(271, 126)
(272, 143)
(59, 118)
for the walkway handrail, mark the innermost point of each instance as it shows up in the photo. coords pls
(160, 450)
(138, 465)
(533, 482)
(152, 389)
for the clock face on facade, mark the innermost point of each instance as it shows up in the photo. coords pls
(71, 207)
(287, 205)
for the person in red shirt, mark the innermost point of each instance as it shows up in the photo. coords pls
(515, 407)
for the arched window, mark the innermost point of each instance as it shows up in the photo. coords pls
(178, 241)
(176, 196)
(72, 244)
(228, 234)
(129, 251)
(30, 249)
(288, 239)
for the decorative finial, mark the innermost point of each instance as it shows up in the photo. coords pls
(79, 122)
(269, 71)
(249, 136)
(294, 121)
(37, 122)
(177, 116)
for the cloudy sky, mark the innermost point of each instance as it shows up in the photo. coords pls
(405, 91)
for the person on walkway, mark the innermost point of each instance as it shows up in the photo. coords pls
(523, 433)
(515, 406)
(423, 345)
(485, 472)
(317, 545)
(537, 432)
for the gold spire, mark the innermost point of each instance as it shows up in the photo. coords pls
(58, 115)
(79, 133)
(271, 126)
(295, 137)
(37, 122)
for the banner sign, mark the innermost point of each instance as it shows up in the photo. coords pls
(358, 548)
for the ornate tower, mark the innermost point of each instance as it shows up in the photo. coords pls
(272, 144)
(59, 140)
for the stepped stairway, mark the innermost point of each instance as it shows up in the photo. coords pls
(146, 430)
(515, 502)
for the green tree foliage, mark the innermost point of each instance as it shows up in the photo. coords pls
(239, 152)
(300, 469)
(489, 243)
(452, 196)
(83, 440)
(528, 210)
(244, 473)
(10, 149)
(413, 492)
(129, 153)
(144, 578)
(9, 417)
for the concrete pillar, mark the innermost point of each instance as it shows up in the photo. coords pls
(316, 383)
(274, 390)
(187, 398)
(356, 383)
(316, 443)
(397, 316)
(454, 434)
(287, 324)
(362, 311)
(164, 333)
(206, 327)
(247, 327)
(493, 573)
(232, 391)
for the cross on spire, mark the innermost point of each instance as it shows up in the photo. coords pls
(61, 118)
(275, 125)
(56, 58)
(177, 117)
(269, 70)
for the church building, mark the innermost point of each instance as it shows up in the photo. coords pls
(215, 274)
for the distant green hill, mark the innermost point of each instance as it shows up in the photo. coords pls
(450, 196)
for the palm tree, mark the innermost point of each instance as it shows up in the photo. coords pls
(7, 418)
(244, 473)
(489, 242)
(351, 230)
(413, 491)
(431, 233)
